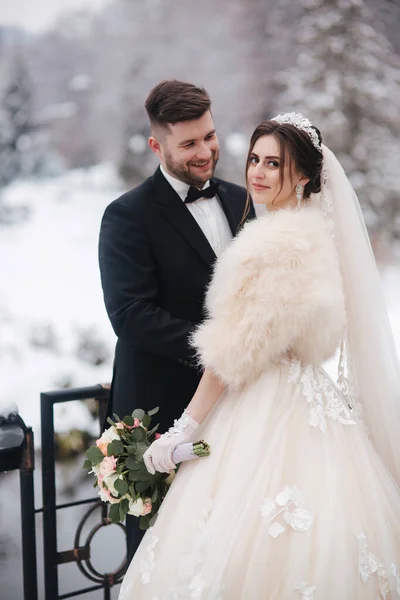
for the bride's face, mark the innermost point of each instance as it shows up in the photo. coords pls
(264, 175)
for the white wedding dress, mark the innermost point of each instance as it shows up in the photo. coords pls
(295, 501)
(315, 516)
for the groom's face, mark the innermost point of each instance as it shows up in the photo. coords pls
(189, 150)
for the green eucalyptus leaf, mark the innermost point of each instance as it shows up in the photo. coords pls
(135, 476)
(146, 421)
(138, 413)
(121, 486)
(142, 485)
(144, 523)
(115, 448)
(153, 411)
(141, 449)
(123, 508)
(128, 420)
(94, 454)
(131, 463)
(138, 434)
(113, 513)
(131, 449)
(87, 464)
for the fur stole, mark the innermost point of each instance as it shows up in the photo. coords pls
(277, 288)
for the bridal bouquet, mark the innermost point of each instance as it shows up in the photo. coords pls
(117, 463)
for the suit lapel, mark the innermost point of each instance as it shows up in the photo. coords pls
(230, 209)
(173, 209)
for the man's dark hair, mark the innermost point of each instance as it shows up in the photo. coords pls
(173, 101)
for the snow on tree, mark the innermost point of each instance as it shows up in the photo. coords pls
(91, 77)
(16, 122)
(162, 41)
(346, 79)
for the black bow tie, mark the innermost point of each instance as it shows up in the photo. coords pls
(194, 193)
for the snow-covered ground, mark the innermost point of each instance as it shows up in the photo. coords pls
(52, 317)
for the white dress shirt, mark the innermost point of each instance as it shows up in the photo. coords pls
(208, 213)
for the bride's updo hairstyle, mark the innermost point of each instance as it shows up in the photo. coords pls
(296, 147)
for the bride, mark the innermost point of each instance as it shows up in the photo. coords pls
(300, 496)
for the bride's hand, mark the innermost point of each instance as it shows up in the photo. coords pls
(159, 456)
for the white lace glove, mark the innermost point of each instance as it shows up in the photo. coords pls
(159, 456)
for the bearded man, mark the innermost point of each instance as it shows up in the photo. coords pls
(158, 243)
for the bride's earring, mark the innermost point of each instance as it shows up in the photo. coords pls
(299, 194)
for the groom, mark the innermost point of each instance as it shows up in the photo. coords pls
(158, 243)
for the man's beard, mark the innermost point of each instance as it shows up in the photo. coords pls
(182, 172)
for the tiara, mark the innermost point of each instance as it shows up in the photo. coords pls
(302, 123)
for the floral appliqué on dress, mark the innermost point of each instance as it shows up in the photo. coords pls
(147, 563)
(306, 591)
(370, 565)
(323, 397)
(190, 583)
(146, 567)
(288, 504)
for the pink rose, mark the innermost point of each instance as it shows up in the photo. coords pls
(157, 436)
(119, 425)
(108, 436)
(108, 466)
(136, 423)
(147, 506)
(106, 496)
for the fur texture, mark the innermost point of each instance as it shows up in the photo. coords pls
(277, 288)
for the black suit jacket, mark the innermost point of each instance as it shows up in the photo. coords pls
(155, 264)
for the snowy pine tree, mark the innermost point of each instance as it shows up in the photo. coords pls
(347, 81)
(15, 123)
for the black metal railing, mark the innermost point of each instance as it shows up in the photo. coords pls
(80, 554)
(17, 452)
(28, 517)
